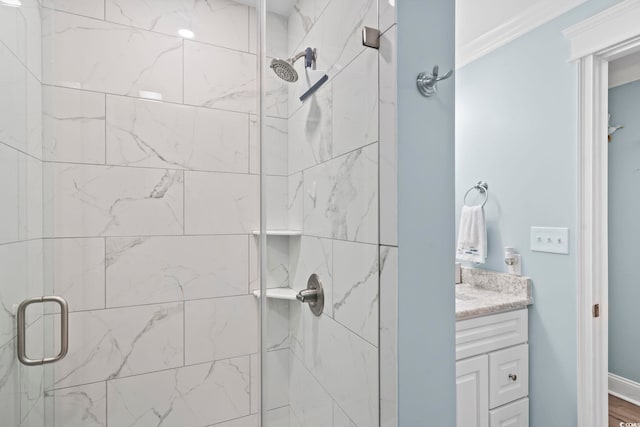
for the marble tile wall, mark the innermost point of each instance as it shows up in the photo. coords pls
(151, 198)
(335, 360)
(388, 336)
(341, 144)
(22, 400)
(388, 139)
(388, 214)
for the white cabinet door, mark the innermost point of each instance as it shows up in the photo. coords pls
(472, 392)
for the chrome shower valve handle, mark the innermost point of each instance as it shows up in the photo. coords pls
(313, 295)
(308, 295)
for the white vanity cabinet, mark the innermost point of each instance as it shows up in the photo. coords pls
(492, 370)
(472, 391)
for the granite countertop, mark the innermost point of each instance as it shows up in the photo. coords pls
(485, 292)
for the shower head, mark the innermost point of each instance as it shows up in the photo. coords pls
(284, 69)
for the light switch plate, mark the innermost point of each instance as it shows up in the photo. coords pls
(550, 239)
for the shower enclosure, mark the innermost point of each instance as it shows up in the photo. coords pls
(178, 195)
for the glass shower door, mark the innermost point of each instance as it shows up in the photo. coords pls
(22, 387)
(150, 209)
(320, 169)
(142, 183)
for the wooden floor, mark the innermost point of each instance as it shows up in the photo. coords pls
(621, 411)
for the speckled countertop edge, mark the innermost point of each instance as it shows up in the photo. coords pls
(486, 292)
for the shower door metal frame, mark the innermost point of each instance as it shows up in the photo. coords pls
(261, 24)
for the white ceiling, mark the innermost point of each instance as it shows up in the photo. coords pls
(281, 7)
(484, 25)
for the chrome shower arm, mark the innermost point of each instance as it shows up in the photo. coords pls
(297, 56)
(302, 54)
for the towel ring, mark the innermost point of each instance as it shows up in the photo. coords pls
(483, 188)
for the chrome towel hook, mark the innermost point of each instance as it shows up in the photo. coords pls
(427, 82)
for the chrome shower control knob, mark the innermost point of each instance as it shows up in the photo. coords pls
(313, 295)
(308, 295)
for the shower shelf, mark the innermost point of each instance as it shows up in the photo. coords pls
(279, 293)
(279, 233)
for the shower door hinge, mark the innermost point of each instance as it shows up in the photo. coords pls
(596, 310)
(371, 37)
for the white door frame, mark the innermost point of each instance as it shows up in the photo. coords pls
(595, 42)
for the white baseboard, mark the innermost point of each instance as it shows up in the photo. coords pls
(624, 389)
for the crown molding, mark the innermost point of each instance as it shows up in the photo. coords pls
(611, 27)
(538, 14)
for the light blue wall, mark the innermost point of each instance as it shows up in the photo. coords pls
(624, 232)
(517, 129)
(426, 314)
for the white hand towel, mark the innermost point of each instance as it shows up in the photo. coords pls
(472, 235)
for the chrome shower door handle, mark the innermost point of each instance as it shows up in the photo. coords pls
(22, 330)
